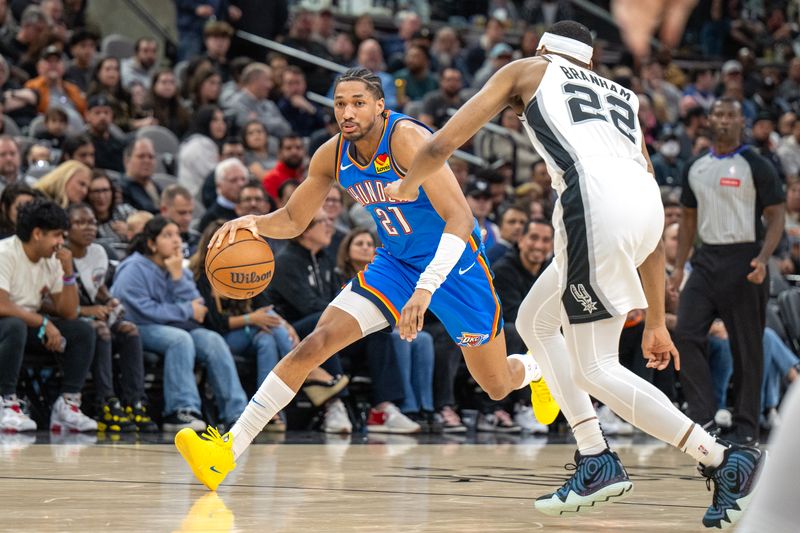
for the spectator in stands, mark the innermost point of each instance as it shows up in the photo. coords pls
(672, 211)
(547, 12)
(693, 124)
(789, 90)
(205, 87)
(479, 198)
(161, 298)
(334, 207)
(217, 37)
(513, 224)
(67, 184)
(285, 192)
(436, 103)
(702, 87)
(415, 358)
(106, 81)
(22, 47)
(177, 205)
(10, 161)
(254, 201)
(51, 87)
(80, 148)
(515, 274)
(142, 65)
(789, 153)
(767, 100)
(164, 103)
(417, 80)
(343, 49)
(135, 223)
(499, 56)
(138, 187)
(667, 164)
(13, 197)
(83, 49)
(33, 264)
(656, 86)
(446, 51)
(252, 102)
(785, 124)
(291, 159)
(256, 142)
(115, 412)
(199, 152)
(191, 16)
(493, 34)
(512, 144)
(231, 148)
(230, 176)
(396, 44)
(107, 147)
(55, 130)
(301, 36)
(762, 140)
(36, 159)
(111, 216)
(19, 104)
(304, 117)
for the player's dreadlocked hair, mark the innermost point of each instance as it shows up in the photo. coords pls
(364, 75)
(572, 30)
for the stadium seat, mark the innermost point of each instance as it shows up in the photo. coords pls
(116, 45)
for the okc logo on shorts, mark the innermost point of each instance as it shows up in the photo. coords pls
(583, 297)
(472, 339)
(382, 163)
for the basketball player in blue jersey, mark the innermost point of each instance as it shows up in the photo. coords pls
(608, 220)
(431, 257)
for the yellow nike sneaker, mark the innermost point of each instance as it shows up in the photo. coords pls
(544, 405)
(210, 457)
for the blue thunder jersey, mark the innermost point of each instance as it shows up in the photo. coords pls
(410, 232)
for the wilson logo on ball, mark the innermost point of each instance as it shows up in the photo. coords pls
(249, 277)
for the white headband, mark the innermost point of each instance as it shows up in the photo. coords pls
(564, 45)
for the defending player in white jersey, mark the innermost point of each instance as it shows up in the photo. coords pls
(608, 222)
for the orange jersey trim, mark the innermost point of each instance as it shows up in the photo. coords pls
(496, 320)
(379, 295)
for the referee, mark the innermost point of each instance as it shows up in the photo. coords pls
(726, 191)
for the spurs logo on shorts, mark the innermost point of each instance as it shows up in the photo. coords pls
(472, 339)
(582, 296)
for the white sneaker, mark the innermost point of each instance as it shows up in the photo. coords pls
(336, 419)
(11, 416)
(67, 416)
(611, 423)
(390, 420)
(524, 418)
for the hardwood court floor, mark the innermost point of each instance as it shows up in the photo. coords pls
(389, 484)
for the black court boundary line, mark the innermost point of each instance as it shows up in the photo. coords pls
(323, 489)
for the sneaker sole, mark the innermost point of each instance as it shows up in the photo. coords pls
(394, 431)
(577, 504)
(732, 515)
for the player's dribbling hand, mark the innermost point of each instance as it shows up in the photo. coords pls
(229, 229)
(395, 191)
(413, 314)
(657, 348)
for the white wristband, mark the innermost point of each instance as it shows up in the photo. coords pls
(447, 255)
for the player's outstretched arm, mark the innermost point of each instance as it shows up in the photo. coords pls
(657, 345)
(477, 111)
(292, 219)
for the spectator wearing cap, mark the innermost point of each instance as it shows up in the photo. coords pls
(416, 75)
(141, 67)
(51, 87)
(667, 163)
(107, 148)
(479, 198)
(304, 117)
(499, 56)
(83, 49)
(252, 101)
(32, 27)
(763, 141)
(217, 37)
(138, 187)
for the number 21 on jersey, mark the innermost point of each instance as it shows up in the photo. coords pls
(388, 225)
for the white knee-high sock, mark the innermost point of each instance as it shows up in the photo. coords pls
(595, 346)
(272, 396)
(538, 323)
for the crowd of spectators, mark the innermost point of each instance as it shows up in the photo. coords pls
(115, 171)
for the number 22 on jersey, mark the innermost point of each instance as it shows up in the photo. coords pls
(388, 225)
(585, 105)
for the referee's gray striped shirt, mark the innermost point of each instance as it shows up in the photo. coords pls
(730, 193)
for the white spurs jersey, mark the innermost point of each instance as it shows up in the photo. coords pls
(577, 116)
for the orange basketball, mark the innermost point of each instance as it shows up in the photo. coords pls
(241, 269)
